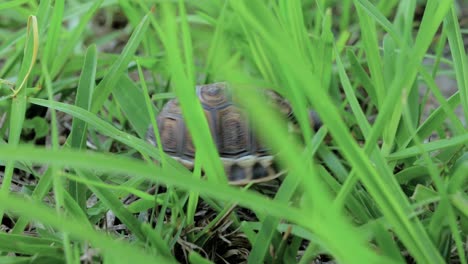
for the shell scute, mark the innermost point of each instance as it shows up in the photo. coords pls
(213, 95)
(234, 134)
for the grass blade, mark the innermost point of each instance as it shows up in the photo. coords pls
(110, 80)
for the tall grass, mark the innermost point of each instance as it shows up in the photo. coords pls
(370, 186)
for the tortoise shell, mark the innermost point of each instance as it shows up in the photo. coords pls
(244, 158)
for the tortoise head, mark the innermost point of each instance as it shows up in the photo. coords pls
(279, 103)
(285, 108)
(314, 120)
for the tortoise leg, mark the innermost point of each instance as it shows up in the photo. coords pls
(236, 173)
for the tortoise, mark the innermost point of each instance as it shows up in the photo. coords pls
(245, 159)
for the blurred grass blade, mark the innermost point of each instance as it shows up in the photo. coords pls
(130, 166)
(460, 63)
(263, 238)
(84, 95)
(40, 212)
(195, 258)
(371, 10)
(381, 185)
(369, 36)
(75, 35)
(78, 133)
(30, 245)
(10, 4)
(100, 125)
(429, 147)
(41, 190)
(53, 34)
(58, 182)
(18, 102)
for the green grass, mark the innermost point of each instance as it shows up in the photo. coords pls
(389, 190)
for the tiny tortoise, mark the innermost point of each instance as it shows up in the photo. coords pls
(244, 158)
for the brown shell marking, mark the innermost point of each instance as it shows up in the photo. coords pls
(233, 132)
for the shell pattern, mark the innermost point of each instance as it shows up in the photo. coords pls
(245, 159)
